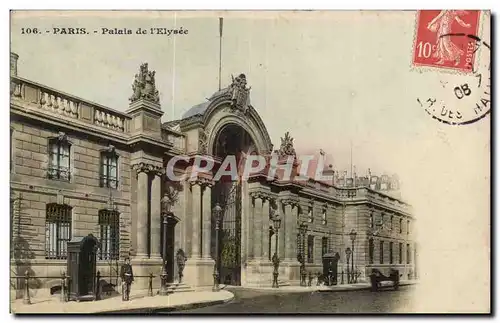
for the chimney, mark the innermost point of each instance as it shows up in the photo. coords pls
(13, 63)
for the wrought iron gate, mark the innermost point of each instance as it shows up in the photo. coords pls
(228, 195)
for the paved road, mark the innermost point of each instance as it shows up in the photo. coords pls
(364, 301)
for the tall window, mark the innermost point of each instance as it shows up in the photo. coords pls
(310, 249)
(381, 252)
(400, 253)
(109, 223)
(324, 246)
(310, 215)
(408, 227)
(11, 149)
(109, 168)
(57, 230)
(391, 244)
(371, 220)
(323, 217)
(371, 248)
(408, 254)
(59, 155)
(382, 220)
(392, 222)
(400, 225)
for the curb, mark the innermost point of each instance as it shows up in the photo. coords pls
(156, 310)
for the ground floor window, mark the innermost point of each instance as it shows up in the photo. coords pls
(381, 252)
(109, 224)
(310, 249)
(57, 230)
(371, 248)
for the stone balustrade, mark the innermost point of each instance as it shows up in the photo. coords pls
(56, 102)
(109, 120)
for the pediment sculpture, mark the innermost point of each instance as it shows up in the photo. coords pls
(286, 148)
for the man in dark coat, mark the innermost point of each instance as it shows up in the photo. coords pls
(127, 276)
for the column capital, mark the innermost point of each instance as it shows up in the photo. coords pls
(201, 181)
(264, 196)
(143, 167)
(289, 201)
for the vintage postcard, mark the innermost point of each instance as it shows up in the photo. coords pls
(250, 162)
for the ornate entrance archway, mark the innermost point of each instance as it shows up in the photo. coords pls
(227, 192)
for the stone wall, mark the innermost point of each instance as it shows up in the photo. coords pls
(32, 191)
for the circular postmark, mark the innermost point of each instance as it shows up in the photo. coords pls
(461, 98)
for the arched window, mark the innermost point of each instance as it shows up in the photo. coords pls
(59, 158)
(57, 230)
(109, 223)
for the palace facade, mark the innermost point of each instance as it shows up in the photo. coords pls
(80, 168)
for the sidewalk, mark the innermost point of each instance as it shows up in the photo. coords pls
(336, 288)
(137, 303)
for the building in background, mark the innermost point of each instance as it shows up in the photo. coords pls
(80, 168)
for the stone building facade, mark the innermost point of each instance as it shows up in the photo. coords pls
(80, 168)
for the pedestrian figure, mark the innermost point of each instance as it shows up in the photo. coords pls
(127, 277)
(276, 265)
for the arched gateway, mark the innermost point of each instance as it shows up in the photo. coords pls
(228, 126)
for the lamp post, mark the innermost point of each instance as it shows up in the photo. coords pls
(217, 212)
(353, 235)
(348, 255)
(164, 273)
(303, 232)
(276, 258)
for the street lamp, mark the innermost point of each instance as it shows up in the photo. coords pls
(353, 235)
(348, 255)
(303, 232)
(163, 275)
(166, 206)
(217, 212)
(276, 259)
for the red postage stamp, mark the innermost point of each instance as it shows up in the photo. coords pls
(443, 39)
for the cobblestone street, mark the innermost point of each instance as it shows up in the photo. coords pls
(363, 301)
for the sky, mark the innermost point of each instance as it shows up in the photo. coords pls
(336, 80)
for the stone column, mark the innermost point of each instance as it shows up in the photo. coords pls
(206, 219)
(155, 214)
(258, 201)
(291, 232)
(283, 234)
(265, 230)
(196, 216)
(142, 233)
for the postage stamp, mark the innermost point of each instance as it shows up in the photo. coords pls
(458, 44)
(434, 48)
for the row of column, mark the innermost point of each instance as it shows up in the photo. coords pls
(148, 220)
(201, 219)
(261, 220)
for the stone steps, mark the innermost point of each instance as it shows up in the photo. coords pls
(179, 288)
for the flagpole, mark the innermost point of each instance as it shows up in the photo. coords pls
(220, 50)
